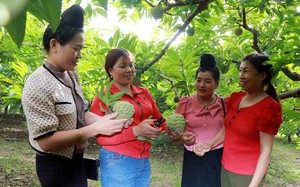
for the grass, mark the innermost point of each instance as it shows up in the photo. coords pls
(17, 162)
(284, 169)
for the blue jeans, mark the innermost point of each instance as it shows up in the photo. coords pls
(118, 170)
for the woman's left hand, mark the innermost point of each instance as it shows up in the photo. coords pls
(175, 137)
(189, 138)
(201, 148)
(147, 131)
(128, 123)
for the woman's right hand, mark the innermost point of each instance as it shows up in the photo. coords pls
(147, 131)
(189, 138)
(107, 125)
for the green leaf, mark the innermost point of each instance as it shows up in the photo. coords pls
(16, 28)
(102, 109)
(102, 12)
(101, 42)
(141, 138)
(6, 80)
(110, 42)
(190, 2)
(21, 69)
(173, 54)
(99, 94)
(103, 3)
(116, 38)
(117, 96)
(107, 93)
(46, 10)
(88, 11)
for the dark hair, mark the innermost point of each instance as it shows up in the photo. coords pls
(113, 56)
(70, 24)
(63, 35)
(208, 63)
(257, 60)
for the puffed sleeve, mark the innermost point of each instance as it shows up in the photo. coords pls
(181, 108)
(271, 118)
(231, 99)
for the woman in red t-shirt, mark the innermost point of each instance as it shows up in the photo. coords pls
(252, 120)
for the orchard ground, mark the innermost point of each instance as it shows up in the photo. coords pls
(17, 167)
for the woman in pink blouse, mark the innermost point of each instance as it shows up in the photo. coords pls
(253, 119)
(204, 114)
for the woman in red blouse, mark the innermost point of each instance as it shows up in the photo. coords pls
(124, 160)
(252, 120)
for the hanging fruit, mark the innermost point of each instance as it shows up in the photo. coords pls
(157, 12)
(238, 31)
(190, 31)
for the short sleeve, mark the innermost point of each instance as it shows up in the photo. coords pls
(271, 118)
(39, 109)
(181, 108)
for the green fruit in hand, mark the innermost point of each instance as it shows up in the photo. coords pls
(190, 31)
(157, 12)
(176, 122)
(238, 31)
(125, 109)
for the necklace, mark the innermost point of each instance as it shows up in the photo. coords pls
(212, 101)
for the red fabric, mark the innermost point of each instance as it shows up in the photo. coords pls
(125, 142)
(242, 142)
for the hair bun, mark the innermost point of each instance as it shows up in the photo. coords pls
(74, 16)
(207, 61)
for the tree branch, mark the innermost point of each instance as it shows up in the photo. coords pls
(183, 3)
(173, 84)
(253, 31)
(175, 4)
(271, 37)
(292, 75)
(200, 8)
(292, 93)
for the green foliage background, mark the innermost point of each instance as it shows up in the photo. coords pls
(166, 70)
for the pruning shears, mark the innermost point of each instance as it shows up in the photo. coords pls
(157, 123)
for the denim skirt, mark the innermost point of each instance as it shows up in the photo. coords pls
(118, 170)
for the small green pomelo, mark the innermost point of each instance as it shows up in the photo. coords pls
(190, 31)
(125, 109)
(157, 12)
(238, 31)
(176, 122)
